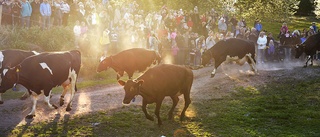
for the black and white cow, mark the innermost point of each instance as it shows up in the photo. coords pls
(232, 49)
(40, 73)
(309, 47)
(11, 58)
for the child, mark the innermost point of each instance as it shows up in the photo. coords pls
(77, 33)
(105, 41)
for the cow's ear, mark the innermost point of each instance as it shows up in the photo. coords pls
(140, 82)
(121, 82)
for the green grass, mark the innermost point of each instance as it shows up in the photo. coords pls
(295, 23)
(287, 108)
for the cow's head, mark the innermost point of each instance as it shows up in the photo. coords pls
(104, 64)
(299, 50)
(131, 88)
(206, 57)
(9, 77)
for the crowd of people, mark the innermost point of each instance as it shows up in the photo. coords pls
(179, 34)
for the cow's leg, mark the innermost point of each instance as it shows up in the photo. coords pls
(157, 111)
(187, 102)
(144, 109)
(175, 100)
(308, 58)
(252, 63)
(34, 98)
(130, 74)
(1, 102)
(119, 74)
(217, 63)
(24, 96)
(213, 73)
(47, 94)
(73, 86)
(65, 90)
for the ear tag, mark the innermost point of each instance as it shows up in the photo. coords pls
(17, 70)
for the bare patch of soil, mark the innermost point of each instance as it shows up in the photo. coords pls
(110, 97)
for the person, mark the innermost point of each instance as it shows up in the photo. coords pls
(6, 18)
(234, 23)
(210, 42)
(153, 43)
(16, 8)
(26, 11)
(57, 13)
(270, 47)
(105, 41)
(315, 28)
(65, 8)
(222, 26)
(35, 16)
(311, 31)
(77, 33)
(175, 50)
(258, 26)
(45, 10)
(271, 50)
(262, 41)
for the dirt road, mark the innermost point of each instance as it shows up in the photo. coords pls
(110, 97)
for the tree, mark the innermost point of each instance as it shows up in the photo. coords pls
(306, 7)
(317, 8)
(274, 10)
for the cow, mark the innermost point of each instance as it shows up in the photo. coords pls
(40, 73)
(157, 83)
(231, 49)
(309, 47)
(10, 58)
(130, 61)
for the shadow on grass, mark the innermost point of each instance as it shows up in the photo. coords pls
(125, 121)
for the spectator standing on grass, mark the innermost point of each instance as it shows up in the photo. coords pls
(262, 41)
(77, 33)
(6, 12)
(26, 11)
(16, 9)
(45, 10)
(315, 28)
(57, 13)
(258, 26)
(105, 41)
(65, 8)
(35, 16)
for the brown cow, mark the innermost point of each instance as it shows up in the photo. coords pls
(157, 83)
(129, 61)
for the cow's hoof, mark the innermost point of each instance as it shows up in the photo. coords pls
(55, 107)
(1, 102)
(212, 75)
(68, 109)
(61, 102)
(30, 116)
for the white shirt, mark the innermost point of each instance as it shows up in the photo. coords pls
(77, 30)
(262, 42)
